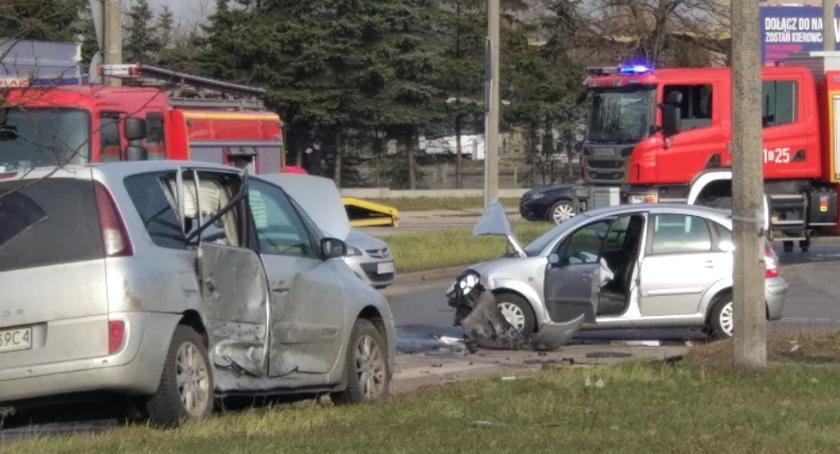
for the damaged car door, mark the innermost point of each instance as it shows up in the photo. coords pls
(575, 274)
(212, 209)
(307, 296)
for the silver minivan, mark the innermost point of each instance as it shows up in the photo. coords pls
(176, 283)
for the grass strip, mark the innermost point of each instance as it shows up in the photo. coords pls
(631, 408)
(431, 249)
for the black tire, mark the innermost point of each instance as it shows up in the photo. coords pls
(165, 407)
(805, 245)
(357, 388)
(529, 324)
(788, 246)
(714, 325)
(550, 214)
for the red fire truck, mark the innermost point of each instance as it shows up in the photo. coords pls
(664, 135)
(156, 114)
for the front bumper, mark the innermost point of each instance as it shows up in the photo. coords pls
(367, 269)
(533, 210)
(135, 369)
(775, 292)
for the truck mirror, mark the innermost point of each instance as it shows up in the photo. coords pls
(135, 128)
(671, 119)
(136, 153)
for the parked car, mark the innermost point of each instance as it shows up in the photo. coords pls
(369, 257)
(549, 203)
(632, 266)
(175, 283)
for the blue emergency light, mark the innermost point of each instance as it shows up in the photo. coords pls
(632, 70)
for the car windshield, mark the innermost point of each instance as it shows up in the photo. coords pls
(620, 115)
(537, 246)
(43, 137)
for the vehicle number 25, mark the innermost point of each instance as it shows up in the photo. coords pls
(777, 155)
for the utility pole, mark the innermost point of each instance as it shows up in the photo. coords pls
(829, 40)
(112, 53)
(492, 96)
(750, 336)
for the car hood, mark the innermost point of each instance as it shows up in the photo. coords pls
(319, 197)
(364, 241)
(494, 222)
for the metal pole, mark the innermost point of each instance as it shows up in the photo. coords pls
(750, 336)
(491, 142)
(829, 39)
(112, 11)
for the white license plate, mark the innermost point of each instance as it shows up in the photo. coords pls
(15, 339)
(385, 268)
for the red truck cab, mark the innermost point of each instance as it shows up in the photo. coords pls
(629, 145)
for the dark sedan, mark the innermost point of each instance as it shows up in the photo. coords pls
(549, 203)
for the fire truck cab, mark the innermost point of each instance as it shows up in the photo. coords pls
(665, 135)
(156, 114)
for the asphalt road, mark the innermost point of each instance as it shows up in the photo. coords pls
(422, 315)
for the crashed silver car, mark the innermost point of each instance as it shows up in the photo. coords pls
(634, 266)
(175, 283)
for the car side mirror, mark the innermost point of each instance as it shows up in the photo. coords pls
(332, 248)
(135, 128)
(136, 153)
(554, 259)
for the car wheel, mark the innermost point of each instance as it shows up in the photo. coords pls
(186, 385)
(721, 318)
(561, 212)
(366, 366)
(517, 312)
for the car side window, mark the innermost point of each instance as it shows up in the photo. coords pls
(584, 246)
(157, 212)
(679, 233)
(279, 228)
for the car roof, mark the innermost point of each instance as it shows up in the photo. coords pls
(723, 216)
(119, 169)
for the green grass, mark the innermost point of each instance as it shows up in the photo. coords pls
(430, 249)
(640, 408)
(441, 203)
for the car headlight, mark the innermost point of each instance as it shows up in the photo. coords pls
(536, 196)
(353, 251)
(468, 283)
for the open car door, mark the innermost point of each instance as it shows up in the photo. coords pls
(575, 274)
(212, 209)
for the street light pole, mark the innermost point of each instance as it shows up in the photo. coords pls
(491, 141)
(112, 31)
(750, 336)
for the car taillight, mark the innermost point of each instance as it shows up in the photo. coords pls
(116, 335)
(771, 265)
(114, 237)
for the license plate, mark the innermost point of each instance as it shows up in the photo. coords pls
(385, 268)
(15, 339)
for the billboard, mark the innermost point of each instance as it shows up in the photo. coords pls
(789, 29)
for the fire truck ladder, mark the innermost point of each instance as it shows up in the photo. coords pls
(187, 90)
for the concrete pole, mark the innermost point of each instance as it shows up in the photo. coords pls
(112, 54)
(829, 39)
(750, 337)
(491, 142)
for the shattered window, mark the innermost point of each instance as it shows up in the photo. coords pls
(279, 228)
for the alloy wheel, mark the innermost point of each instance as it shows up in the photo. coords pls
(726, 319)
(370, 367)
(193, 379)
(562, 213)
(513, 314)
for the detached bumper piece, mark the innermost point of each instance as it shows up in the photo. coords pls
(363, 213)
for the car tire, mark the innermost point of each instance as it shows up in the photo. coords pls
(561, 212)
(518, 313)
(720, 324)
(367, 372)
(186, 363)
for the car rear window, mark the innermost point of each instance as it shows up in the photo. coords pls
(48, 222)
(159, 218)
